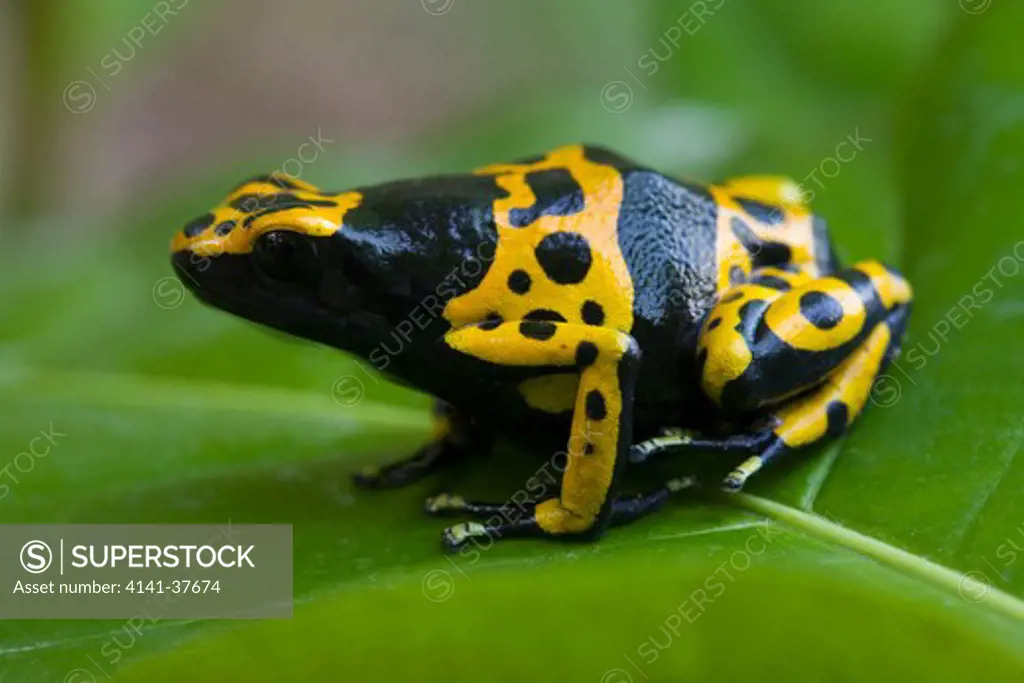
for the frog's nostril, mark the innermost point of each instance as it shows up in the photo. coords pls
(224, 228)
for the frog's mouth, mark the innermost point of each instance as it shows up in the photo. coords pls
(326, 309)
(213, 283)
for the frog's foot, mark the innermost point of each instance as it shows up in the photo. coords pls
(452, 440)
(455, 537)
(669, 437)
(685, 441)
(427, 460)
(512, 519)
(483, 535)
(448, 504)
(500, 520)
(759, 446)
(735, 480)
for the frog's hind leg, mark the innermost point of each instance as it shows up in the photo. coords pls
(453, 438)
(800, 352)
(778, 335)
(826, 411)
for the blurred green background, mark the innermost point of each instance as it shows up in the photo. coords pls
(121, 120)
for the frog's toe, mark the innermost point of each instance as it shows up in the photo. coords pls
(686, 434)
(444, 503)
(455, 537)
(385, 477)
(735, 480)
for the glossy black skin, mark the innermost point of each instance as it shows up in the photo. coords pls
(429, 240)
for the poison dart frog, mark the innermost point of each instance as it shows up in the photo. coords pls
(572, 298)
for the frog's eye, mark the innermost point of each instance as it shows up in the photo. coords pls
(284, 256)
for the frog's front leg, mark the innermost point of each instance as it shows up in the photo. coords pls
(454, 436)
(625, 508)
(608, 362)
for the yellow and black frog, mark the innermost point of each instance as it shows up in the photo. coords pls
(572, 298)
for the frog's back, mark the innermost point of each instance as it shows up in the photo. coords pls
(600, 239)
(666, 232)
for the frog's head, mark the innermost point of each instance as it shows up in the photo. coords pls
(273, 252)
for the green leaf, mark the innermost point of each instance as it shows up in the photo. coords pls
(848, 564)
